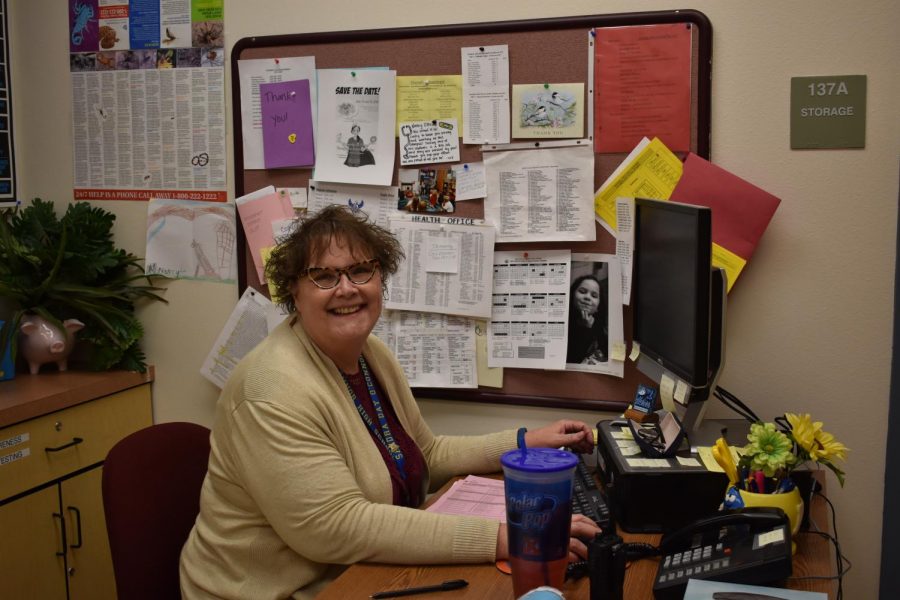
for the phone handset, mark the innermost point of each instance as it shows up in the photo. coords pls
(756, 518)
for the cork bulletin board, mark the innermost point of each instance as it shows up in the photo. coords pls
(543, 50)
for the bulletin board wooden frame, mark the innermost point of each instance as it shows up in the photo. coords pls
(551, 50)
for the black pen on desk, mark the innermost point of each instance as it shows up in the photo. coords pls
(452, 584)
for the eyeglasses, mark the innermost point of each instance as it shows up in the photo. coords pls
(327, 277)
(652, 435)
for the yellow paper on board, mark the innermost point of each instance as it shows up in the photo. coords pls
(265, 253)
(487, 376)
(429, 97)
(652, 173)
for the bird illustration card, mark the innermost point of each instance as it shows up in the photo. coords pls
(548, 110)
(286, 124)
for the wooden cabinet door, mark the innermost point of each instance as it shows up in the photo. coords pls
(30, 566)
(89, 565)
(73, 438)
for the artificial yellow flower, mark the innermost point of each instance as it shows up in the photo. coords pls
(828, 448)
(818, 444)
(803, 430)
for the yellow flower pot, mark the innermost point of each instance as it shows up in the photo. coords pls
(791, 503)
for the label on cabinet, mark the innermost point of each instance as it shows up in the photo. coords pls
(14, 440)
(17, 455)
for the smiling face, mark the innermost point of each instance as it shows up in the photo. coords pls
(339, 320)
(587, 296)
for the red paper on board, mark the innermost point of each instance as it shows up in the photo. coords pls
(642, 86)
(740, 210)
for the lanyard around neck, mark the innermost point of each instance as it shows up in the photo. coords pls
(382, 431)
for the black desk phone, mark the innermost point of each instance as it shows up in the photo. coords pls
(750, 545)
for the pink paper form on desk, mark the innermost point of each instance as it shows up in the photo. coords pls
(258, 210)
(475, 497)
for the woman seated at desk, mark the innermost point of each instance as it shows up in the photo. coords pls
(319, 453)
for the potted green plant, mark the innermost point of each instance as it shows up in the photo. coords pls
(69, 268)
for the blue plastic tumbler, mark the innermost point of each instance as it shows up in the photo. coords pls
(538, 486)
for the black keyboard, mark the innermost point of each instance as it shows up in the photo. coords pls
(587, 499)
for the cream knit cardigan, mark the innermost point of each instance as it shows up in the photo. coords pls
(296, 488)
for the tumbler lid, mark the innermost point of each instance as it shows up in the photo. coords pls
(539, 460)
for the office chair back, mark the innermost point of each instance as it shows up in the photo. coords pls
(151, 497)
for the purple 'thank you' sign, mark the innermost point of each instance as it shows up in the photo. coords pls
(287, 124)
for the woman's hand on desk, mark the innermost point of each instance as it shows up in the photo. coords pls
(566, 432)
(582, 529)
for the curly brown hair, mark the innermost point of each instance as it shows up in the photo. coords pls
(313, 236)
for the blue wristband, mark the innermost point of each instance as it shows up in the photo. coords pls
(520, 437)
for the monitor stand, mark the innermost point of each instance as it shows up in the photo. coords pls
(704, 432)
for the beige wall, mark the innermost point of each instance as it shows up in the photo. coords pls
(810, 321)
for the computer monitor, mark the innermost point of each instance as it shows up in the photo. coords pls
(678, 302)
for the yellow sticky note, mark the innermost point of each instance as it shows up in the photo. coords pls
(705, 453)
(667, 392)
(773, 537)
(709, 462)
(617, 351)
(687, 462)
(622, 434)
(681, 391)
(487, 376)
(629, 450)
(731, 262)
(635, 351)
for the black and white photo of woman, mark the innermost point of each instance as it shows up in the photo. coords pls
(358, 153)
(588, 341)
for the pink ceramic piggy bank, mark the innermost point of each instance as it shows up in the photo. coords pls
(41, 342)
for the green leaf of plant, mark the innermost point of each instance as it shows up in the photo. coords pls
(70, 268)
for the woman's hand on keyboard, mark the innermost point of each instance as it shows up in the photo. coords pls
(582, 529)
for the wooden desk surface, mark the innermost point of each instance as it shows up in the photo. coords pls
(814, 557)
(29, 396)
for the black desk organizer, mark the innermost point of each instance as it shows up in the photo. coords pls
(654, 499)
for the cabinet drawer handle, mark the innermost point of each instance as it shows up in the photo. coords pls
(77, 526)
(74, 442)
(62, 529)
